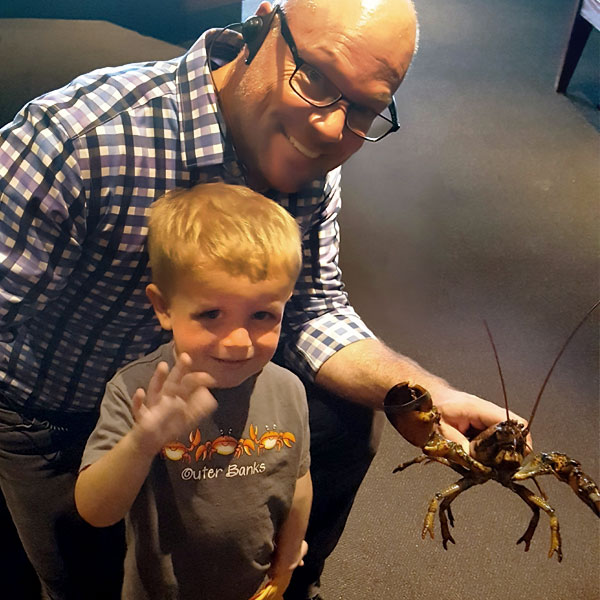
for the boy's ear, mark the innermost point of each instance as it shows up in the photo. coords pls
(160, 305)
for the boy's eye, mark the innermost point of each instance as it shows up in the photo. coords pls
(262, 315)
(208, 315)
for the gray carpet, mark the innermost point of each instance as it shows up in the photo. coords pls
(484, 205)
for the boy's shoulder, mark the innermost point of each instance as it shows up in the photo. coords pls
(277, 377)
(278, 372)
(138, 372)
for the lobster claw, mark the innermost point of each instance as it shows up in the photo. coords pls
(410, 410)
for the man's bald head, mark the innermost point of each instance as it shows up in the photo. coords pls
(387, 27)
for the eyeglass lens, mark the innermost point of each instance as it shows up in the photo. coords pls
(311, 85)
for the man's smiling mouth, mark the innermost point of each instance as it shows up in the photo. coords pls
(302, 149)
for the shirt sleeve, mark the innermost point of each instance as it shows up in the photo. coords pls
(319, 318)
(42, 216)
(114, 422)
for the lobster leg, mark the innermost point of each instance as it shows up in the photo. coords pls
(463, 484)
(566, 470)
(535, 503)
(439, 447)
(446, 497)
(429, 459)
(408, 463)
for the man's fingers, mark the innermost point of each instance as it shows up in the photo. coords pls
(454, 435)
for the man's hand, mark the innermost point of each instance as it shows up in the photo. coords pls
(462, 413)
(366, 370)
(176, 401)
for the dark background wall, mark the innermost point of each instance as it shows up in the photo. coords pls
(174, 21)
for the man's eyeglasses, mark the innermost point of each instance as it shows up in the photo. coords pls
(313, 87)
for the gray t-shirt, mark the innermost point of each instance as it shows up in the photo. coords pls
(203, 525)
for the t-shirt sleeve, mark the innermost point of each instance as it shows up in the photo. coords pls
(115, 420)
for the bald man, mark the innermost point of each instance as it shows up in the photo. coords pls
(278, 108)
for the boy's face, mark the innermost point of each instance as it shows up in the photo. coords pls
(227, 324)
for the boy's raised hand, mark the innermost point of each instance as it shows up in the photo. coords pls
(176, 401)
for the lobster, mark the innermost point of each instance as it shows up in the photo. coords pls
(497, 454)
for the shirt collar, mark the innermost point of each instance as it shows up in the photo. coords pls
(202, 127)
(203, 132)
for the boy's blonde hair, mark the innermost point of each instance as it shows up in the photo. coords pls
(216, 225)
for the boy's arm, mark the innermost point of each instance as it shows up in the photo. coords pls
(289, 544)
(105, 490)
(175, 401)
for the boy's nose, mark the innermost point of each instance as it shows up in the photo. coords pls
(238, 337)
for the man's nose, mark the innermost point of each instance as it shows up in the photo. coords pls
(329, 122)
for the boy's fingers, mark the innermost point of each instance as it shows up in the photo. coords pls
(201, 404)
(157, 382)
(137, 402)
(180, 368)
(193, 381)
(180, 385)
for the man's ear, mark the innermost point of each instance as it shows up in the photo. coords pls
(160, 305)
(264, 9)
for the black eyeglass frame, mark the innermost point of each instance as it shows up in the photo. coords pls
(299, 62)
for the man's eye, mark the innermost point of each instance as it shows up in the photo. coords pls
(313, 75)
(309, 76)
(364, 111)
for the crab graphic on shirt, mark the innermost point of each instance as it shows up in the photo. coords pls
(271, 439)
(226, 445)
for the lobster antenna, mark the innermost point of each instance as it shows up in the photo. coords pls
(560, 353)
(499, 368)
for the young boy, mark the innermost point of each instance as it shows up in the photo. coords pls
(203, 444)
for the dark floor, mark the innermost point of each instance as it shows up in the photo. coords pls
(485, 205)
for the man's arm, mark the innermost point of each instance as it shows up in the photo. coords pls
(327, 340)
(365, 371)
(176, 400)
(42, 215)
(319, 320)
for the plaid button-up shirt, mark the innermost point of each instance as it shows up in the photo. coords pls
(79, 169)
